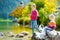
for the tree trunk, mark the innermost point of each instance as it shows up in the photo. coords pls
(31, 0)
(23, 23)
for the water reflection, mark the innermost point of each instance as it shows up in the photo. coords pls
(12, 27)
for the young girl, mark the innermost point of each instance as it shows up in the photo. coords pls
(33, 17)
(52, 24)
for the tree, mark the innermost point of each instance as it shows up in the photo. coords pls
(21, 13)
(45, 7)
(17, 12)
(50, 5)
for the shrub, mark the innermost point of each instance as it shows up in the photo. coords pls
(58, 22)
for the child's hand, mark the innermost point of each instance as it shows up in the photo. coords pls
(55, 26)
(29, 14)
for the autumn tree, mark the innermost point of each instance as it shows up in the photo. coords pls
(44, 7)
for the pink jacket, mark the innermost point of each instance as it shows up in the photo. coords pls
(34, 15)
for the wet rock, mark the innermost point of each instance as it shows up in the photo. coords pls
(29, 36)
(11, 34)
(25, 33)
(52, 33)
(58, 32)
(38, 36)
(20, 35)
(34, 37)
(2, 34)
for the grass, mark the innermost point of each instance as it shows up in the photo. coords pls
(5, 20)
(58, 29)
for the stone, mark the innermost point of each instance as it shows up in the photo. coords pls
(52, 33)
(29, 36)
(20, 35)
(25, 33)
(11, 34)
(2, 34)
(38, 36)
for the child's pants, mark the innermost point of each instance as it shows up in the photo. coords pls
(34, 25)
(46, 30)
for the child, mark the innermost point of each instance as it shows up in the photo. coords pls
(52, 24)
(33, 17)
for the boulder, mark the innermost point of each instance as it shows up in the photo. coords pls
(38, 36)
(52, 33)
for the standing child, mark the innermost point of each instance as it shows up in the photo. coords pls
(33, 16)
(52, 24)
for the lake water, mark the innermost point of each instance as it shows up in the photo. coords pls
(12, 27)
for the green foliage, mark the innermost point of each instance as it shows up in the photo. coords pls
(58, 21)
(25, 19)
(43, 16)
(39, 4)
(44, 8)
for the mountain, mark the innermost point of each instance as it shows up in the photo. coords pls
(7, 6)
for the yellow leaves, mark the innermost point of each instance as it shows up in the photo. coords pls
(51, 1)
(20, 11)
(41, 1)
(50, 5)
(47, 4)
(17, 12)
(53, 9)
(12, 14)
(25, 11)
(50, 10)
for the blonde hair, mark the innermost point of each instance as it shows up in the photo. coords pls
(33, 5)
(51, 17)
